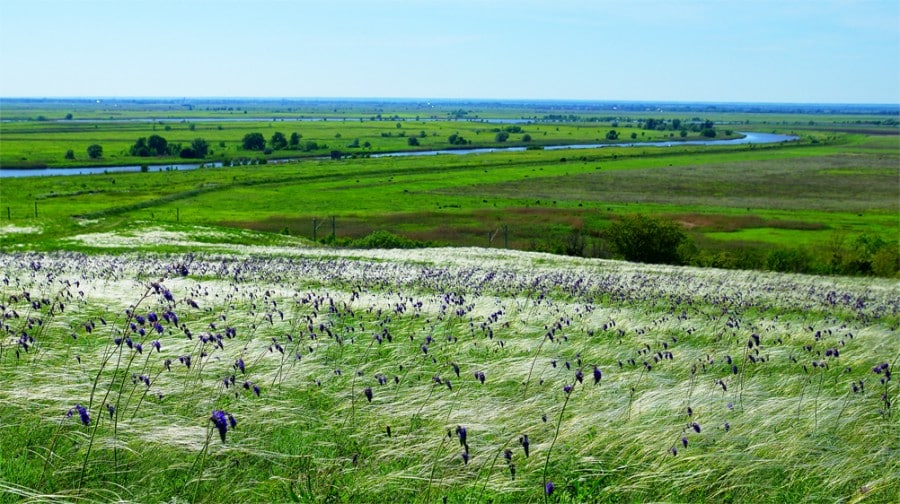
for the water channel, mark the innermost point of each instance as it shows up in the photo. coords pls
(748, 138)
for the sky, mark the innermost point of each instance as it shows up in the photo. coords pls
(774, 51)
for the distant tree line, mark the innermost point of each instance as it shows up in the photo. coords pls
(155, 145)
(278, 141)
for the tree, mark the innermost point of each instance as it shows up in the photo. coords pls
(412, 141)
(646, 239)
(254, 141)
(526, 137)
(70, 154)
(295, 140)
(69, 116)
(612, 135)
(633, 135)
(501, 136)
(200, 147)
(140, 148)
(278, 141)
(158, 145)
(95, 151)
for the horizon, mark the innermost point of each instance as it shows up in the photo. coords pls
(414, 99)
(647, 50)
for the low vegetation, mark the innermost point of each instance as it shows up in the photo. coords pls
(277, 373)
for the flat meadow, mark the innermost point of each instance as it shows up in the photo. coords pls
(229, 334)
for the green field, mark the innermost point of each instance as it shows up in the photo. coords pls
(258, 333)
(820, 195)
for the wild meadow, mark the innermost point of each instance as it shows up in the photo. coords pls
(277, 373)
(248, 333)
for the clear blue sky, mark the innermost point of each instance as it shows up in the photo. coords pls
(807, 51)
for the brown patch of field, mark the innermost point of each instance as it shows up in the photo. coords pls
(731, 223)
(525, 225)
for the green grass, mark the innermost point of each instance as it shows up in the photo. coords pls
(794, 431)
(37, 143)
(722, 195)
(82, 256)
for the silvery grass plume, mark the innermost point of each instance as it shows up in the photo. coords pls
(243, 319)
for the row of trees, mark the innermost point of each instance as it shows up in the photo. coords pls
(278, 141)
(156, 145)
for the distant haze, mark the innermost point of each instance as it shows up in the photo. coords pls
(680, 51)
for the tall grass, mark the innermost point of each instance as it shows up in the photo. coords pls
(372, 376)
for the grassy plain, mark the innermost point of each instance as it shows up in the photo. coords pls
(42, 144)
(808, 194)
(136, 306)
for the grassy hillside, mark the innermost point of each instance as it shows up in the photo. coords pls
(417, 376)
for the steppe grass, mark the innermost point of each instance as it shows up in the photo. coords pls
(416, 377)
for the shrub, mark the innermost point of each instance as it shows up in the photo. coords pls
(387, 240)
(645, 239)
(95, 151)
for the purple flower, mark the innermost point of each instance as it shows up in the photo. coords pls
(82, 414)
(465, 457)
(479, 375)
(152, 317)
(239, 364)
(567, 389)
(597, 375)
(220, 419)
(368, 393)
(111, 409)
(157, 345)
(140, 319)
(523, 440)
(462, 433)
(579, 375)
(696, 427)
(548, 488)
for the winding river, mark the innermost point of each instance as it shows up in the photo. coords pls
(748, 138)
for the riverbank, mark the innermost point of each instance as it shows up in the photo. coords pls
(746, 138)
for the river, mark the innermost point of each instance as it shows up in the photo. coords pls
(748, 138)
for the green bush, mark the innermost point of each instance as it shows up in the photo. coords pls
(387, 240)
(645, 239)
(789, 260)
